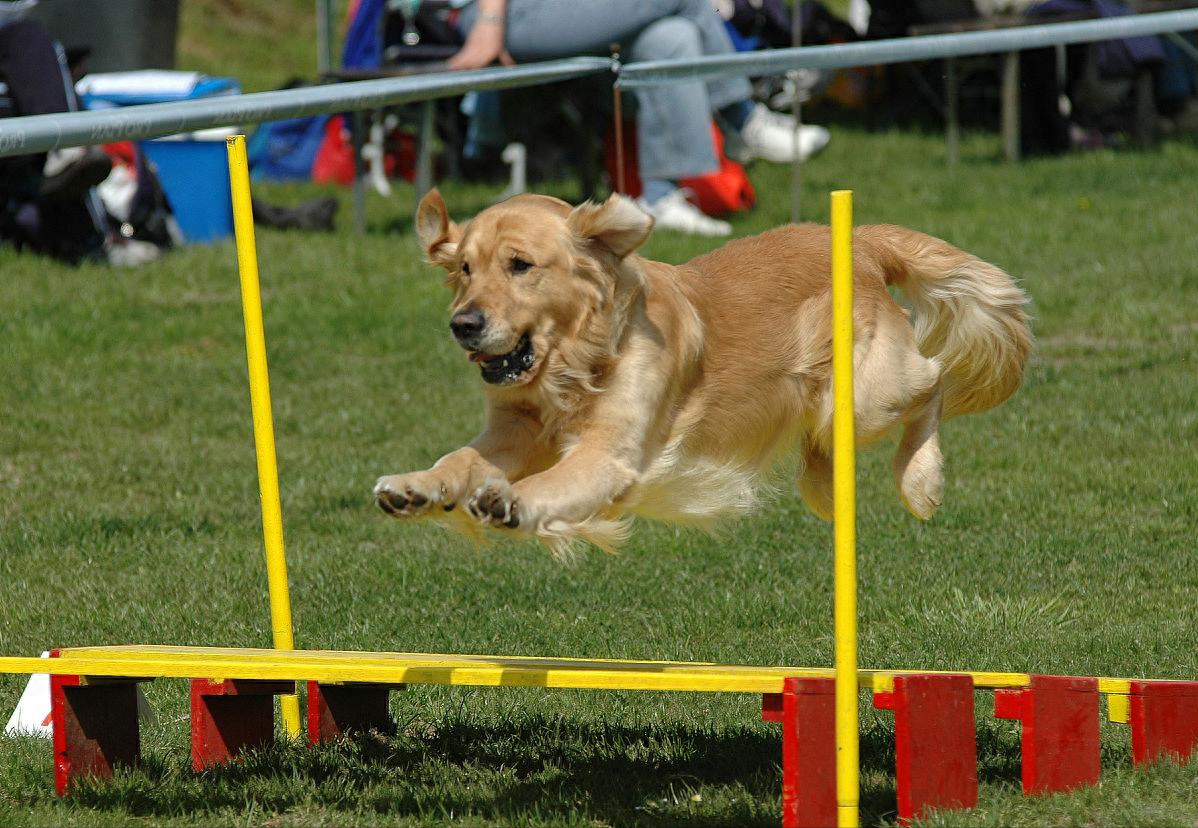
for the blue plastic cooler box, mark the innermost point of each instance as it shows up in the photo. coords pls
(193, 168)
(195, 176)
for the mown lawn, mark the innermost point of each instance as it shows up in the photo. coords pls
(129, 513)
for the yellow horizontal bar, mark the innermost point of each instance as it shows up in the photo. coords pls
(582, 676)
(334, 666)
(353, 655)
(1118, 686)
(869, 679)
(16, 664)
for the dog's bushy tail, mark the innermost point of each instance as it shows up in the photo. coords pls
(967, 313)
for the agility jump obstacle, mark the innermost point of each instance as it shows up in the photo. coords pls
(94, 711)
(94, 689)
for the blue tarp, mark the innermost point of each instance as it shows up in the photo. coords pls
(1116, 58)
(364, 41)
(286, 150)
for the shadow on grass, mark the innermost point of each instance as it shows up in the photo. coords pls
(535, 771)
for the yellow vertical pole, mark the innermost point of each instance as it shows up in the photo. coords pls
(845, 511)
(264, 432)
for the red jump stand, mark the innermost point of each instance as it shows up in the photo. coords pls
(936, 763)
(1164, 720)
(806, 707)
(1060, 731)
(336, 710)
(95, 727)
(229, 716)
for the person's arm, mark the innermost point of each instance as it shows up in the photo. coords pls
(484, 44)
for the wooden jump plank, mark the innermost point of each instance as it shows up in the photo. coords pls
(870, 679)
(430, 668)
(330, 666)
(399, 672)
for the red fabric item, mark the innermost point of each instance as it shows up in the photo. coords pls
(335, 158)
(122, 152)
(728, 190)
(401, 159)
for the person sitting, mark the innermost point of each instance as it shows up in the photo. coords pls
(47, 200)
(674, 138)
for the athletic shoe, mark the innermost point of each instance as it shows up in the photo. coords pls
(674, 212)
(771, 135)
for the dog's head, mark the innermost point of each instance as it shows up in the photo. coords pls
(537, 285)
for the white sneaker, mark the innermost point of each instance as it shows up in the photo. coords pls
(771, 135)
(674, 212)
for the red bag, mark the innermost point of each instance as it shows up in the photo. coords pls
(727, 190)
(334, 160)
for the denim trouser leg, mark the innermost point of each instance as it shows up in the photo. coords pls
(674, 121)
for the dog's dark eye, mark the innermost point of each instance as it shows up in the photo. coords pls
(466, 268)
(519, 265)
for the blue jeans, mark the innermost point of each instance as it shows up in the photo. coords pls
(673, 121)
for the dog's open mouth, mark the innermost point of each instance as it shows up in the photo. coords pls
(503, 369)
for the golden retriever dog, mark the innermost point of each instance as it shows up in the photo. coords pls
(619, 386)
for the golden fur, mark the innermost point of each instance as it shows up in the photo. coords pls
(668, 391)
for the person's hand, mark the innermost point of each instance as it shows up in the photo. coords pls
(484, 46)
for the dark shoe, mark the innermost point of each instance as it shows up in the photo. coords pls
(73, 171)
(314, 214)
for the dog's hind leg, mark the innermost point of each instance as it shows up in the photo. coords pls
(815, 481)
(918, 464)
(895, 384)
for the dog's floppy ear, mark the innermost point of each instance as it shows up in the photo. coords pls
(438, 235)
(618, 224)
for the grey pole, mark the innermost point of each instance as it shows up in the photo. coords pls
(952, 114)
(39, 133)
(324, 36)
(424, 157)
(1010, 106)
(905, 49)
(358, 140)
(796, 177)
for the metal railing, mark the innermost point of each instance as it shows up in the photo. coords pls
(905, 49)
(39, 133)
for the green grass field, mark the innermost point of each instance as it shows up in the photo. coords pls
(129, 507)
(129, 513)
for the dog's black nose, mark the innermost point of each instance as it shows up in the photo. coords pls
(467, 325)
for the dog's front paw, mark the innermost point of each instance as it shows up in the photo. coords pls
(411, 495)
(495, 502)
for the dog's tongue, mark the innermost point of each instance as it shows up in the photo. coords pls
(481, 356)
